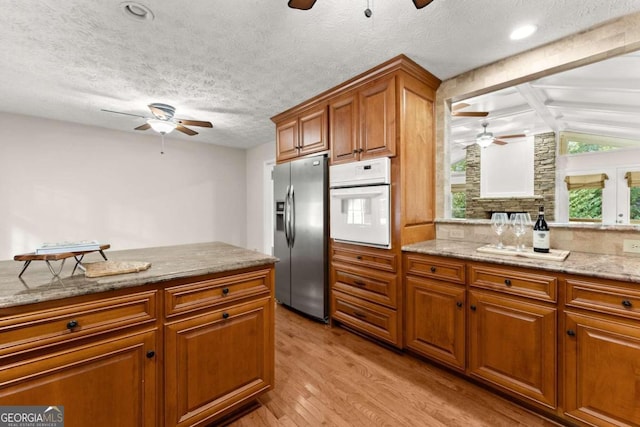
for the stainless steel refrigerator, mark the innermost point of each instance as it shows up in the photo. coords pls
(300, 236)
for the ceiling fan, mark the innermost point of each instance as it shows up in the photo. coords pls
(164, 122)
(484, 138)
(455, 111)
(308, 4)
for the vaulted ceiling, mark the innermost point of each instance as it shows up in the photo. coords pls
(237, 63)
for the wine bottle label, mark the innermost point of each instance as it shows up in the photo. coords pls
(541, 239)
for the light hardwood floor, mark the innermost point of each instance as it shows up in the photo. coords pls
(332, 377)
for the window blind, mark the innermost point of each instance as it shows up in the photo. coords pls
(578, 182)
(633, 179)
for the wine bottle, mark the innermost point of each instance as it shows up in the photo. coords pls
(541, 233)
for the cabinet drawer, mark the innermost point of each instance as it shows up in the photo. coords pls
(369, 284)
(207, 293)
(435, 268)
(372, 319)
(515, 282)
(44, 328)
(603, 297)
(380, 259)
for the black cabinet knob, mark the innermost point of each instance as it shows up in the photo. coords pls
(359, 283)
(571, 333)
(355, 151)
(225, 315)
(627, 303)
(433, 269)
(225, 291)
(459, 304)
(359, 257)
(507, 282)
(150, 354)
(72, 324)
(473, 307)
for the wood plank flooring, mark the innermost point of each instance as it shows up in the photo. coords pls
(332, 377)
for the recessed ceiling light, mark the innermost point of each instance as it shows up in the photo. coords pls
(523, 32)
(136, 11)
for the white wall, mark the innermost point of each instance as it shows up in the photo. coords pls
(61, 181)
(259, 235)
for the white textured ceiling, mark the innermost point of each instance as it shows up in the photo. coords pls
(236, 63)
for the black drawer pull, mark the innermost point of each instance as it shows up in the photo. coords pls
(359, 283)
(459, 304)
(473, 307)
(150, 354)
(225, 291)
(571, 333)
(507, 282)
(225, 315)
(433, 269)
(360, 315)
(359, 257)
(626, 303)
(72, 324)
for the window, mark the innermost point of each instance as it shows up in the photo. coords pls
(585, 197)
(458, 201)
(577, 143)
(633, 181)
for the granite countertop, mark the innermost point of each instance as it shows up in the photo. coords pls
(168, 262)
(613, 267)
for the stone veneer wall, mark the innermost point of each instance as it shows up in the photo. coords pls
(544, 165)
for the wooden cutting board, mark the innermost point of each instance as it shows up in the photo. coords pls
(110, 268)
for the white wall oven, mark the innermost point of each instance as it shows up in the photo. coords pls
(359, 194)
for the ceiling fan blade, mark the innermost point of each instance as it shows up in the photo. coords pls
(120, 112)
(517, 135)
(459, 106)
(301, 4)
(194, 123)
(421, 3)
(143, 127)
(499, 142)
(186, 130)
(470, 113)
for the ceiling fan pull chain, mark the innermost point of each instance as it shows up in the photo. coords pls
(162, 148)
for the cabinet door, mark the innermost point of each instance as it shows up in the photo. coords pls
(287, 140)
(217, 361)
(512, 344)
(343, 125)
(602, 370)
(105, 384)
(313, 132)
(378, 119)
(435, 320)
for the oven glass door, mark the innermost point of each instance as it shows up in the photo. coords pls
(360, 215)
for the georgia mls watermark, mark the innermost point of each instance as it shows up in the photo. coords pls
(31, 416)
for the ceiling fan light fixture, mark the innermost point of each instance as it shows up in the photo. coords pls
(161, 126)
(484, 139)
(136, 11)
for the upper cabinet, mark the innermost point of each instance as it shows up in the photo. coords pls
(362, 123)
(384, 112)
(302, 134)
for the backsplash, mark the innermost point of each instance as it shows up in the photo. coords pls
(606, 240)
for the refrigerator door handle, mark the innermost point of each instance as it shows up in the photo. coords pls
(287, 214)
(292, 217)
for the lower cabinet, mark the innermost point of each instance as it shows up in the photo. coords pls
(217, 361)
(111, 382)
(435, 324)
(602, 370)
(512, 344)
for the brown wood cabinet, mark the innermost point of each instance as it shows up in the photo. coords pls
(435, 309)
(302, 134)
(362, 123)
(183, 353)
(601, 340)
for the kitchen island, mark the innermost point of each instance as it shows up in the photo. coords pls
(185, 343)
(560, 337)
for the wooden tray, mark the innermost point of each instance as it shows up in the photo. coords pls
(553, 255)
(110, 268)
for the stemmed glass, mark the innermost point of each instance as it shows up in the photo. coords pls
(520, 223)
(499, 222)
